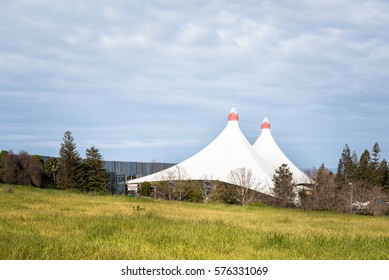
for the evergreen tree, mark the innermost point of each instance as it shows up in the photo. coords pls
(383, 172)
(284, 185)
(375, 155)
(359, 180)
(95, 173)
(69, 163)
(377, 176)
(345, 168)
(354, 166)
(365, 171)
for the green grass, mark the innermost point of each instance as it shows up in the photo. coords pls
(50, 224)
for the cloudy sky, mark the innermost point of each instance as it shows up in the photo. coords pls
(155, 80)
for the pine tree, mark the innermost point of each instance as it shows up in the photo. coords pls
(95, 173)
(284, 185)
(354, 166)
(344, 168)
(377, 176)
(383, 172)
(375, 155)
(364, 173)
(70, 172)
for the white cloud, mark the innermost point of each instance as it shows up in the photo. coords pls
(113, 13)
(115, 72)
(307, 45)
(191, 33)
(113, 41)
(132, 144)
(368, 12)
(79, 35)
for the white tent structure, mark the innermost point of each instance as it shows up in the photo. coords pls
(229, 151)
(268, 149)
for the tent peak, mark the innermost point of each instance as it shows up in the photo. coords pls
(265, 124)
(233, 115)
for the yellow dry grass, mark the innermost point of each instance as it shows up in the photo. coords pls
(51, 224)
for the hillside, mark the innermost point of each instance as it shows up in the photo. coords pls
(50, 224)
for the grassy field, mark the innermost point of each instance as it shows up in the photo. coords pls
(49, 224)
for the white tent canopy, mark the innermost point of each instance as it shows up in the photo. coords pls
(229, 151)
(268, 149)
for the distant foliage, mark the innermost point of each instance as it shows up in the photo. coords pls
(95, 178)
(88, 175)
(145, 189)
(322, 195)
(21, 169)
(359, 185)
(284, 185)
(383, 174)
(52, 167)
(367, 170)
(3, 155)
(175, 184)
(70, 171)
(365, 181)
(67, 171)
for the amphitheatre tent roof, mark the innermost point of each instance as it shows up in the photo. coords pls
(230, 150)
(268, 149)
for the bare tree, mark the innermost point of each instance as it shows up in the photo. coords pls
(182, 185)
(321, 195)
(244, 185)
(175, 183)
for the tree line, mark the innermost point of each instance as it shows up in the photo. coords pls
(361, 184)
(67, 171)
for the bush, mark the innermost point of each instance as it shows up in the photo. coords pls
(22, 169)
